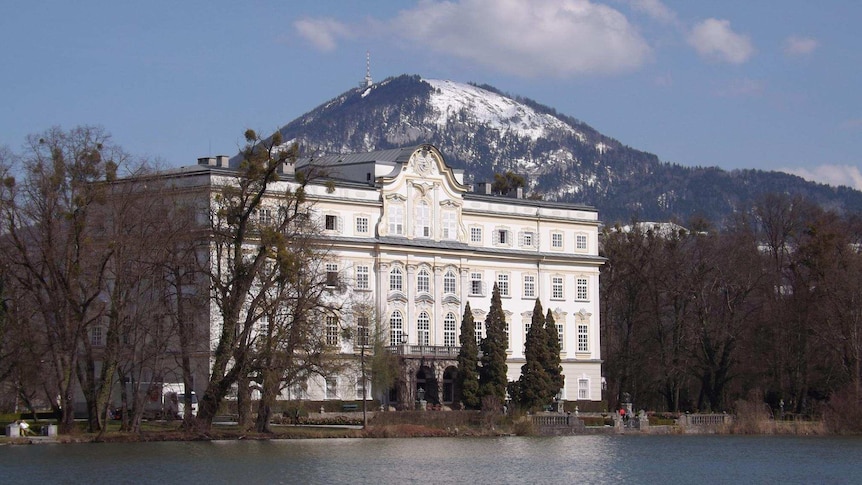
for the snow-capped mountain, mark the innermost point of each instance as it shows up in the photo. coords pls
(485, 131)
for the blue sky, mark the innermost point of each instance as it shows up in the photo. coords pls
(735, 84)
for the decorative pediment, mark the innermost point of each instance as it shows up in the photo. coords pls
(397, 296)
(451, 300)
(424, 298)
(449, 203)
(395, 197)
(424, 187)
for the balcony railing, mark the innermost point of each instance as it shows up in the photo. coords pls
(439, 351)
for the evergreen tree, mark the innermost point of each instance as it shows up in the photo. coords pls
(492, 374)
(552, 364)
(468, 362)
(533, 389)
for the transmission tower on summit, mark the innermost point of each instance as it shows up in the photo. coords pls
(367, 82)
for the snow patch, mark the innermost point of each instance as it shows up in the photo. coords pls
(450, 98)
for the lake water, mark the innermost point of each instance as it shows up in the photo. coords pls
(473, 461)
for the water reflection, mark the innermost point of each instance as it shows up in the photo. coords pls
(473, 461)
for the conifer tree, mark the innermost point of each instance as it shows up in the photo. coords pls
(492, 374)
(468, 362)
(552, 364)
(533, 389)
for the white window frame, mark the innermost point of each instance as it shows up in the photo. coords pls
(450, 283)
(330, 388)
(332, 337)
(396, 327)
(331, 274)
(583, 389)
(477, 286)
(363, 277)
(362, 225)
(581, 242)
(396, 279)
(476, 234)
(582, 288)
(449, 330)
(396, 219)
(423, 281)
(423, 219)
(529, 286)
(449, 224)
(423, 328)
(583, 337)
(504, 284)
(480, 331)
(558, 287)
(557, 240)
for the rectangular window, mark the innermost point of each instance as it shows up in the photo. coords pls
(264, 217)
(331, 388)
(362, 225)
(503, 284)
(360, 388)
(529, 286)
(581, 289)
(363, 332)
(583, 338)
(449, 283)
(581, 241)
(450, 225)
(396, 220)
(502, 236)
(423, 327)
(528, 239)
(96, 336)
(331, 274)
(476, 234)
(583, 389)
(449, 330)
(331, 223)
(560, 336)
(476, 284)
(557, 287)
(362, 278)
(480, 332)
(557, 240)
(331, 331)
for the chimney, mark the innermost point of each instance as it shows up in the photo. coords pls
(223, 161)
(519, 193)
(482, 188)
(287, 168)
(211, 161)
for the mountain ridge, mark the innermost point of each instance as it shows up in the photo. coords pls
(484, 131)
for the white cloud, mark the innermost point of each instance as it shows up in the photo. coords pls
(847, 175)
(536, 38)
(655, 9)
(800, 46)
(322, 33)
(713, 38)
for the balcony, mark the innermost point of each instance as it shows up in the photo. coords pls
(432, 351)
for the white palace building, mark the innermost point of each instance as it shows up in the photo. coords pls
(413, 240)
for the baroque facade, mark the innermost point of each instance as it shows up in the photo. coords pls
(416, 243)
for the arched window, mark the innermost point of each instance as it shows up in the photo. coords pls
(396, 279)
(449, 330)
(423, 326)
(396, 328)
(423, 219)
(423, 281)
(449, 283)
